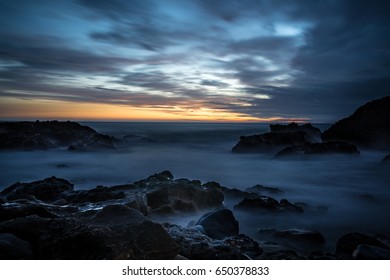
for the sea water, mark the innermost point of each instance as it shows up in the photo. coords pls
(341, 193)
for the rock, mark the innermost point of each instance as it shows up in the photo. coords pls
(13, 248)
(312, 134)
(95, 195)
(386, 159)
(281, 255)
(18, 211)
(301, 235)
(368, 126)
(262, 190)
(348, 243)
(280, 136)
(51, 134)
(219, 224)
(115, 232)
(168, 196)
(268, 142)
(367, 252)
(228, 192)
(48, 190)
(319, 149)
(267, 203)
(134, 235)
(194, 245)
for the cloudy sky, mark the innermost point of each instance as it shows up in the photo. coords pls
(246, 60)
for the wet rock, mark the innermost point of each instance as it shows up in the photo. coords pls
(228, 192)
(349, 242)
(13, 248)
(95, 195)
(165, 195)
(368, 252)
(195, 245)
(319, 149)
(301, 235)
(20, 210)
(368, 126)
(280, 136)
(269, 204)
(219, 224)
(115, 232)
(51, 134)
(48, 190)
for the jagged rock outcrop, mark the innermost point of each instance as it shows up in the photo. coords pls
(42, 135)
(368, 126)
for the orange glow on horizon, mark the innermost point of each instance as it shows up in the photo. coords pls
(12, 108)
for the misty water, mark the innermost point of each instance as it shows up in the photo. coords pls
(341, 193)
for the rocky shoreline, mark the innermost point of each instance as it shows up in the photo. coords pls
(49, 219)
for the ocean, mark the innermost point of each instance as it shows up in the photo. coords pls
(341, 194)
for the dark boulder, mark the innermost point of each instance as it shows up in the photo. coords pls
(267, 203)
(280, 136)
(51, 134)
(195, 245)
(48, 190)
(319, 149)
(13, 248)
(219, 224)
(349, 242)
(368, 126)
(268, 142)
(168, 196)
(301, 235)
(132, 235)
(386, 159)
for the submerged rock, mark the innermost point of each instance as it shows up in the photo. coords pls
(319, 149)
(386, 159)
(269, 204)
(368, 126)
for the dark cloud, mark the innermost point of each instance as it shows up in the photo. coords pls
(313, 59)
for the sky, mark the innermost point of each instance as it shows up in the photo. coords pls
(192, 60)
